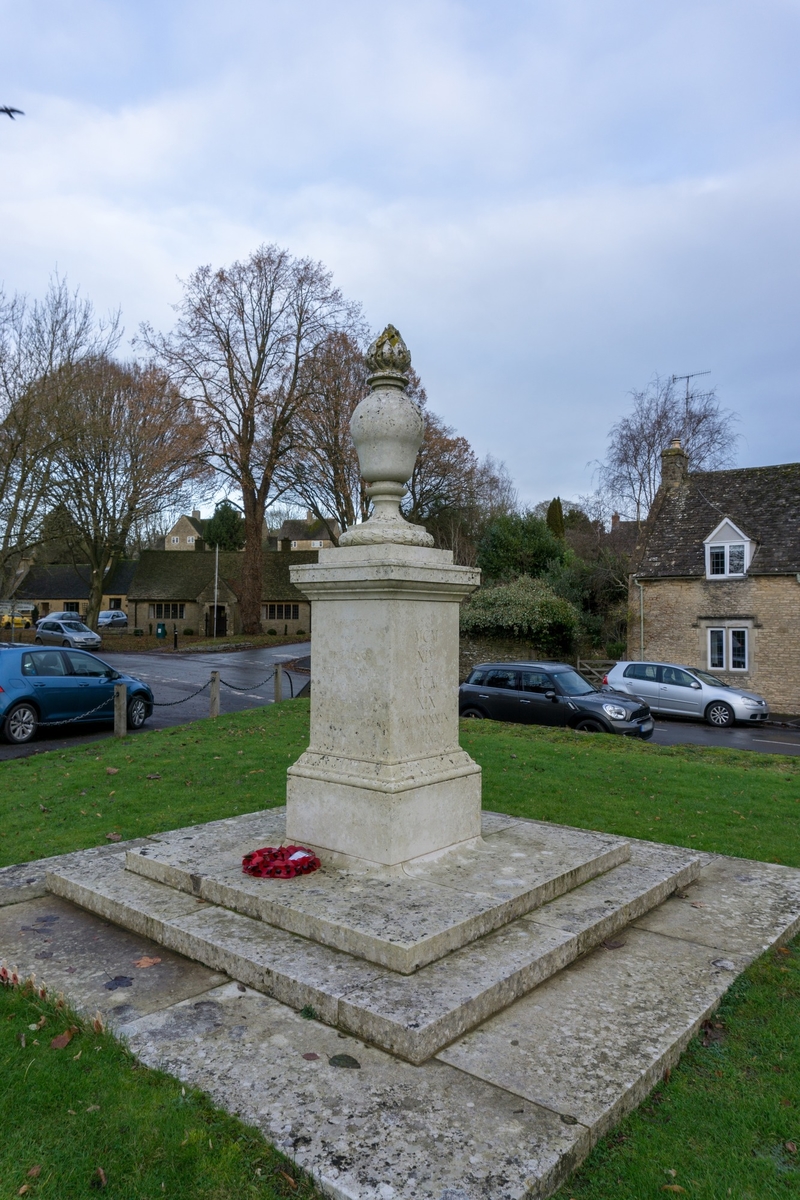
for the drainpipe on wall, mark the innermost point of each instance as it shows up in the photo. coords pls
(640, 586)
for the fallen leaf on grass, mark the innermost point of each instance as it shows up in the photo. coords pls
(75, 1057)
(288, 1178)
(155, 775)
(42, 1021)
(112, 770)
(145, 961)
(63, 1040)
(672, 1172)
(35, 1172)
(673, 1187)
(98, 1179)
(21, 1039)
(97, 1023)
(791, 1147)
(42, 807)
(93, 1108)
(23, 1191)
(113, 837)
(72, 1112)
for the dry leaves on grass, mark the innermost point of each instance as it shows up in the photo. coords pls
(113, 837)
(63, 1040)
(98, 1180)
(674, 1187)
(155, 775)
(112, 770)
(35, 1172)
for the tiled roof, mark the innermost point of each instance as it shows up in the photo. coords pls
(163, 575)
(65, 581)
(302, 531)
(764, 502)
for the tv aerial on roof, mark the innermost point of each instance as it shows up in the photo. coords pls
(693, 375)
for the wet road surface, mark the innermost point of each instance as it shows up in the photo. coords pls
(174, 677)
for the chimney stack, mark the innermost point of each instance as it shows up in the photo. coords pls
(614, 521)
(674, 465)
(196, 514)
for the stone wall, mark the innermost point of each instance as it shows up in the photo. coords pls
(679, 612)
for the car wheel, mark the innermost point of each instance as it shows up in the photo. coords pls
(473, 714)
(21, 724)
(137, 713)
(590, 725)
(66, 643)
(720, 714)
(38, 641)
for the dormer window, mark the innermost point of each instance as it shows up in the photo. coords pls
(728, 552)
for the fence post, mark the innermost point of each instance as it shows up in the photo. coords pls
(214, 705)
(120, 710)
(278, 683)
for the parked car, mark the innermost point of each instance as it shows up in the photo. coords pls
(66, 615)
(112, 618)
(39, 686)
(550, 693)
(19, 622)
(687, 692)
(71, 632)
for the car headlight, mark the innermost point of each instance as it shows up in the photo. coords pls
(616, 712)
(748, 703)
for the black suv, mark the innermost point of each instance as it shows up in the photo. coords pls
(549, 693)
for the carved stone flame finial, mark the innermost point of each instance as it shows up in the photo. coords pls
(388, 360)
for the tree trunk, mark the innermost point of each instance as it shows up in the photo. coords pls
(252, 566)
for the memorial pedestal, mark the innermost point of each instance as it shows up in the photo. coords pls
(384, 780)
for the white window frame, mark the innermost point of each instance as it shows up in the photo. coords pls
(190, 540)
(727, 632)
(721, 539)
(176, 541)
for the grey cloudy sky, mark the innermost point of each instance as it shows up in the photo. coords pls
(551, 200)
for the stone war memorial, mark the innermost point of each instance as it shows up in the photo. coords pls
(457, 1004)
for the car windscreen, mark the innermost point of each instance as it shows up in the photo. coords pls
(711, 680)
(75, 627)
(572, 683)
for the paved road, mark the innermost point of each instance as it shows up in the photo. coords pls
(174, 676)
(768, 739)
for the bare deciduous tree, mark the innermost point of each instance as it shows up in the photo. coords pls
(322, 473)
(630, 475)
(37, 340)
(239, 351)
(129, 446)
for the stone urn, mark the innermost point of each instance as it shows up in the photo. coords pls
(387, 429)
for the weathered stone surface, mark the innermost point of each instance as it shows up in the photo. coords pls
(27, 881)
(412, 1016)
(78, 953)
(399, 922)
(591, 1042)
(387, 1131)
(735, 905)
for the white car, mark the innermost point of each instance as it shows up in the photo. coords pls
(112, 618)
(680, 691)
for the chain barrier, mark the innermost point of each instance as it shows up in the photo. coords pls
(191, 696)
(172, 703)
(250, 687)
(82, 717)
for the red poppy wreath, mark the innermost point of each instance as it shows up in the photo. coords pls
(280, 862)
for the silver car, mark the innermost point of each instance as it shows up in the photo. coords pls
(680, 691)
(71, 632)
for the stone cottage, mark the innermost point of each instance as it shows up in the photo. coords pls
(180, 589)
(716, 581)
(64, 587)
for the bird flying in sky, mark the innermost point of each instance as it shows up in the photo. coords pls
(11, 112)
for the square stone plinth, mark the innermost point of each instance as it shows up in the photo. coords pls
(400, 922)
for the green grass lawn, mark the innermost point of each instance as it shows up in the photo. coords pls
(726, 1122)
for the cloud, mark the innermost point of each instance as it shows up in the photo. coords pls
(552, 201)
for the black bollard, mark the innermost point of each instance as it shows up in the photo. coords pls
(174, 637)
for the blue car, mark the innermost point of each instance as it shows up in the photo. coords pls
(41, 687)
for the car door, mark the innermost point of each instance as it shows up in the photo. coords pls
(499, 696)
(643, 680)
(52, 687)
(50, 633)
(679, 693)
(92, 684)
(534, 705)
